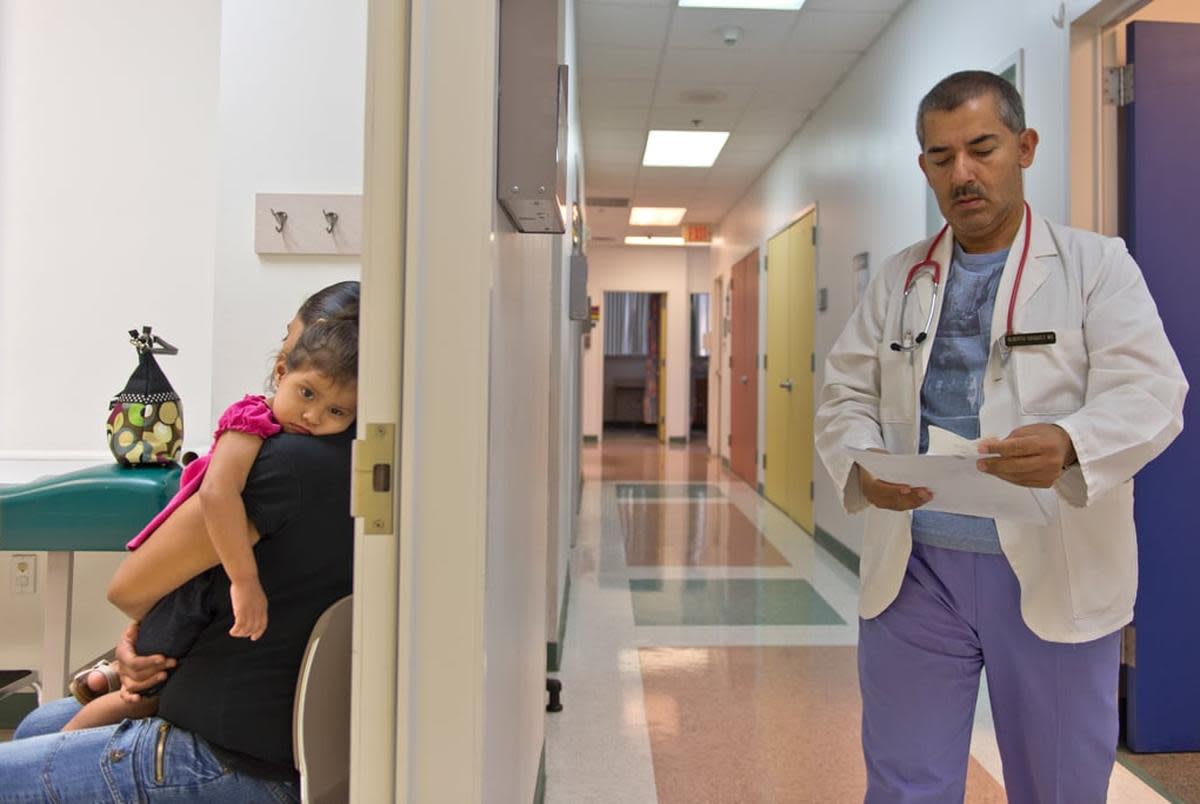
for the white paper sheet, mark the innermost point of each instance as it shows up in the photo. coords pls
(957, 486)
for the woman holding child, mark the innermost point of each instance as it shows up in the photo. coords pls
(221, 729)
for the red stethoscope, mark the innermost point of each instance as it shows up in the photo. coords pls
(907, 342)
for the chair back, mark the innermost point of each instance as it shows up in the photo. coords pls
(321, 718)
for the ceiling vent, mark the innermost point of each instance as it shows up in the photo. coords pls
(701, 97)
(598, 201)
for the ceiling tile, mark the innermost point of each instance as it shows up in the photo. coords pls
(703, 96)
(670, 178)
(622, 25)
(770, 141)
(599, 62)
(606, 92)
(715, 66)
(771, 119)
(662, 197)
(681, 118)
(701, 28)
(597, 116)
(829, 30)
(854, 5)
(622, 140)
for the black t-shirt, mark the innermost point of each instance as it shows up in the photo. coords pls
(238, 694)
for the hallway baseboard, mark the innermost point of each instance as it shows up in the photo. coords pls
(844, 555)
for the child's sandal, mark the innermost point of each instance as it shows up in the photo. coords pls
(85, 694)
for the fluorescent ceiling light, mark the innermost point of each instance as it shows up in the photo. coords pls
(683, 148)
(747, 5)
(653, 241)
(656, 216)
(631, 240)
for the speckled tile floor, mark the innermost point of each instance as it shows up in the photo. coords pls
(735, 696)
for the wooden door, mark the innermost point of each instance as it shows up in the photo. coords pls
(778, 406)
(743, 369)
(801, 305)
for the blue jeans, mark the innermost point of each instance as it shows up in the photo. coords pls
(120, 763)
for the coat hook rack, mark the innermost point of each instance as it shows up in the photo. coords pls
(280, 219)
(331, 219)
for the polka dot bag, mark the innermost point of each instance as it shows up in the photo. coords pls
(145, 421)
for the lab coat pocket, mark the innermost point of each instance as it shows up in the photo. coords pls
(897, 394)
(1052, 378)
(1100, 551)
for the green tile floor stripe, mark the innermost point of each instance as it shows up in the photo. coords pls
(729, 601)
(1131, 765)
(845, 556)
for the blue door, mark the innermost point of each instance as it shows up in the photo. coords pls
(1162, 216)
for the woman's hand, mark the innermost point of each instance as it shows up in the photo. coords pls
(139, 672)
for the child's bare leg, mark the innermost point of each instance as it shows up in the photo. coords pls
(109, 709)
(180, 549)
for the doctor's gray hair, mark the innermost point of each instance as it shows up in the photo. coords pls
(955, 90)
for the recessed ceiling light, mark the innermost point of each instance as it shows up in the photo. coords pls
(746, 5)
(632, 240)
(683, 148)
(656, 216)
(653, 241)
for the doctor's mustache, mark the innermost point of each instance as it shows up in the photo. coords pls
(967, 191)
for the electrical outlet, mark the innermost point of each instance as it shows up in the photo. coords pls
(23, 574)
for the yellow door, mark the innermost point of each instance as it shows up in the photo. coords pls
(801, 305)
(775, 472)
(662, 367)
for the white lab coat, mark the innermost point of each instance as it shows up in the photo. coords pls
(1111, 381)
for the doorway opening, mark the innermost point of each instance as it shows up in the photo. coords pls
(635, 364)
(698, 376)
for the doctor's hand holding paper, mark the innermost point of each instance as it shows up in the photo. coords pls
(1036, 350)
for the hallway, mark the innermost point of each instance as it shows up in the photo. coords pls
(709, 654)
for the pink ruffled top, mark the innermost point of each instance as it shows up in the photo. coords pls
(251, 415)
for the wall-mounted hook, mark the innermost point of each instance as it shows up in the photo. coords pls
(331, 219)
(280, 219)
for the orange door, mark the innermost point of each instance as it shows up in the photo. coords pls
(743, 369)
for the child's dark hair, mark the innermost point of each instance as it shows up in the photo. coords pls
(329, 302)
(329, 345)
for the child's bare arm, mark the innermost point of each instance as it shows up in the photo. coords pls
(225, 519)
(109, 709)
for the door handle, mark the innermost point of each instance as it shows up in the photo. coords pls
(744, 379)
(786, 385)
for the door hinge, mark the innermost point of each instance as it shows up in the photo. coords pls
(814, 236)
(764, 359)
(371, 482)
(764, 265)
(729, 439)
(764, 460)
(812, 490)
(1118, 85)
(812, 362)
(731, 361)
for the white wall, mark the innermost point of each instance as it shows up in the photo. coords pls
(107, 209)
(643, 269)
(856, 157)
(293, 77)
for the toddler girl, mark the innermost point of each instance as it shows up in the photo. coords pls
(315, 394)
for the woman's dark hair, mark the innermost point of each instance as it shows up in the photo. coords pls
(328, 302)
(329, 345)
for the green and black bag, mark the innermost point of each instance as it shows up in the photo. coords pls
(145, 421)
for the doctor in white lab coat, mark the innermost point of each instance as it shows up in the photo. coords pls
(1084, 393)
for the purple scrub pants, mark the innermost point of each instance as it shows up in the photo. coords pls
(1054, 705)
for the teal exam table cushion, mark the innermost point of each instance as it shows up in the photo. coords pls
(98, 508)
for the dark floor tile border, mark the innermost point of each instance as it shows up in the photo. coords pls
(1130, 764)
(677, 441)
(554, 650)
(844, 555)
(591, 439)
